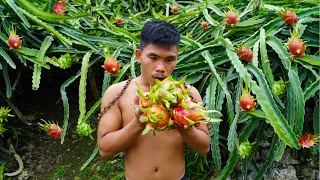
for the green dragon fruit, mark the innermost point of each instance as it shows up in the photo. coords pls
(169, 92)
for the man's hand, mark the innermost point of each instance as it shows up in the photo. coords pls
(137, 109)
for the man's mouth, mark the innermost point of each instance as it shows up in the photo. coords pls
(159, 78)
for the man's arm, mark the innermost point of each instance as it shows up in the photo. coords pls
(197, 137)
(113, 139)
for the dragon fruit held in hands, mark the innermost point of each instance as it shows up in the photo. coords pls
(167, 103)
(189, 113)
(157, 118)
(169, 92)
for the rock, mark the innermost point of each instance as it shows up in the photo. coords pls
(264, 143)
(287, 158)
(308, 174)
(268, 132)
(280, 171)
(250, 176)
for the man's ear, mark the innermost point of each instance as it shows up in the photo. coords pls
(138, 55)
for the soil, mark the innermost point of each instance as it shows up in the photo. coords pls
(45, 157)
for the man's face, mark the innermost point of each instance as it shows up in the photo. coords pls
(157, 62)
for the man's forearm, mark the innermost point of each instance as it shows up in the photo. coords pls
(115, 142)
(196, 139)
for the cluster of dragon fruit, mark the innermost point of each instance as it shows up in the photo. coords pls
(168, 103)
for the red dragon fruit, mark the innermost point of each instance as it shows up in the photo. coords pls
(189, 113)
(289, 17)
(247, 102)
(59, 7)
(14, 40)
(157, 118)
(232, 17)
(296, 46)
(307, 140)
(52, 129)
(245, 53)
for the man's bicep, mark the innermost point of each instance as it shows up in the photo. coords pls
(111, 120)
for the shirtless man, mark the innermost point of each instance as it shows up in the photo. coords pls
(149, 157)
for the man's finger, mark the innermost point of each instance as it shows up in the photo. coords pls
(136, 100)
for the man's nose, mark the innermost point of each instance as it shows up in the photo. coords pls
(160, 67)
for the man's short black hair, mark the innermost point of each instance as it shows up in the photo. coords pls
(159, 33)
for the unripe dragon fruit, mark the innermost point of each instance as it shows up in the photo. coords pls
(157, 118)
(188, 113)
(169, 92)
(245, 148)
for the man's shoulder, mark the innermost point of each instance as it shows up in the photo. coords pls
(116, 88)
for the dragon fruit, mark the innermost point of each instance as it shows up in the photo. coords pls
(167, 103)
(157, 118)
(52, 129)
(189, 113)
(308, 140)
(169, 92)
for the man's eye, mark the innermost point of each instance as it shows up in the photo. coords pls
(153, 58)
(170, 60)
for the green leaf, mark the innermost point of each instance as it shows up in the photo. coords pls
(264, 57)
(271, 156)
(250, 22)
(273, 8)
(206, 55)
(40, 58)
(280, 151)
(311, 90)
(231, 163)
(194, 77)
(299, 101)
(209, 18)
(82, 87)
(203, 83)
(7, 58)
(312, 60)
(122, 72)
(7, 80)
(316, 120)
(92, 156)
(258, 113)
(278, 47)
(65, 99)
(106, 82)
(214, 131)
(255, 61)
(234, 156)
(46, 26)
(79, 38)
(32, 59)
(216, 10)
(44, 15)
(28, 51)
(233, 141)
(132, 61)
(16, 10)
(275, 118)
